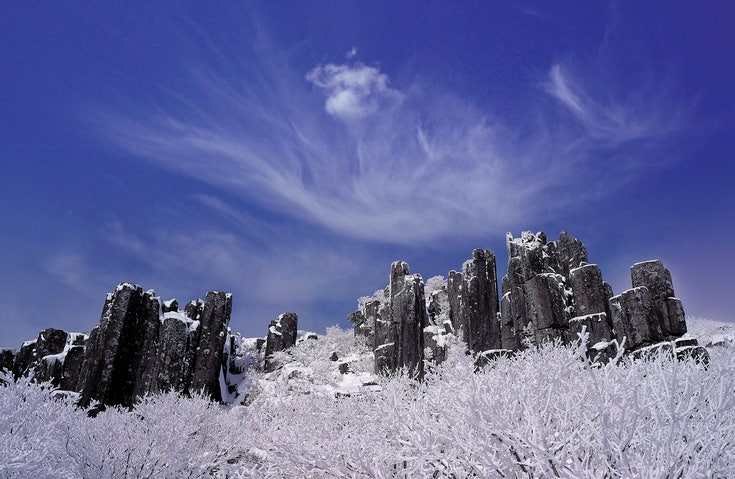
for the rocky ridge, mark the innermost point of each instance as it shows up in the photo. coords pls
(142, 345)
(550, 292)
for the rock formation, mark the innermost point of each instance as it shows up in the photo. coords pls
(7, 358)
(137, 348)
(549, 293)
(281, 336)
(476, 302)
(53, 356)
(394, 323)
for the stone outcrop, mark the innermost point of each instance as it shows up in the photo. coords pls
(7, 358)
(137, 348)
(477, 302)
(537, 301)
(657, 279)
(408, 318)
(439, 324)
(281, 336)
(395, 322)
(53, 357)
(549, 293)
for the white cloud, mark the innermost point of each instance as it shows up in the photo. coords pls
(71, 268)
(613, 121)
(353, 91)
(410, 166)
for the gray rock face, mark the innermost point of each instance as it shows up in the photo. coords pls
(537, 298)
(281, 336)
(439, 325)
(72, 367)
(514, 318)
(546, 305)
(171, 306)
(137, 348)
(408, 318)
(53, 357)
(7, 358)
(173, 370)
(590, 293)
(550, 292)
(634, 318)
(454, 293)
(571, 253)
(479, 302)
(597, 325)
(111, 360)
(397, 318)
(590, 299)
(657, 279)
(213, 334)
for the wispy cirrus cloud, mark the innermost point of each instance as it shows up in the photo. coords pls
(612, 121)
(345, 149)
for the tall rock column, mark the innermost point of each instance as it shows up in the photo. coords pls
(281, 336)
(408, 317)
(399, 322)
(481, 328)
(654, 276)
(110, 360)
(209, 362)
(137, 348)
(591, 295)
(634, 318)
(537, 300)
(454, 293)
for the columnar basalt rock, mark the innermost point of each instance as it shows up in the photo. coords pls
(213, 326)
(137, 348)
(454, 293)
(590, 303)
(479, 303)
(281, 336)
(537, 300)
(439, 325)
(550, 292)
(7, 358)
(634, 318)
(59, 362)
(106, 374)
(384, 334)
(657, 279)
(72, 366)
(546, 306)
(408, 318)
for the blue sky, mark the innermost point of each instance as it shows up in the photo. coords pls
(289, 151)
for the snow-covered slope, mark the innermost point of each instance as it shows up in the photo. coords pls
(542, 413)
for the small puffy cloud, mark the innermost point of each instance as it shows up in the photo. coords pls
(353, 91)
(352, 53)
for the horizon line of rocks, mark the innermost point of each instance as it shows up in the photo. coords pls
(143, 345)
(550, 292)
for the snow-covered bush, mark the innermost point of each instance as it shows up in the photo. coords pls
(32, 420)
(545, 412)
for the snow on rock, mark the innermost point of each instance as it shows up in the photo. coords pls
(281, 335)
(137, 348)
(550, 292)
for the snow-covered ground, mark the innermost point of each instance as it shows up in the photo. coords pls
(543, 413)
